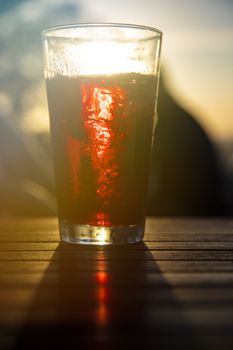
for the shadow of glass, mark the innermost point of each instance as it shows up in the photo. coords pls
(104, 296)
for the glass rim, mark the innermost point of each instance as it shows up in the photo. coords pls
(49, 31)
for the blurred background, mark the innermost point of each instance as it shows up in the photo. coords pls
(197, 67)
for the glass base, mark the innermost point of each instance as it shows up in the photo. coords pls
(100, 235)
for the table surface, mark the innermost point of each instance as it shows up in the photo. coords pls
(175, 288)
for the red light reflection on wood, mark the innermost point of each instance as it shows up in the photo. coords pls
(102, 277)
(102, 296)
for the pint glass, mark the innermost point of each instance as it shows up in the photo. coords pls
(102, 84)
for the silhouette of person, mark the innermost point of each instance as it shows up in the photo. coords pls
(186, 177)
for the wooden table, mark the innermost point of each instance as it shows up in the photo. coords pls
(174, 290)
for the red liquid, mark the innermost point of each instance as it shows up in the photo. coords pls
(101, 132)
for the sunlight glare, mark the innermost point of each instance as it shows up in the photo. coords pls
(108, 57)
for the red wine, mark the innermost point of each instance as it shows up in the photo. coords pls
(101, 128)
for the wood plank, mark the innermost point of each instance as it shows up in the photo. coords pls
(119, 279)
(114, 255)
(20, 297)
(187, 225)
(35, 237)
(53, 236)
(190, 237)
(28, 246)
(28, 224)
(45, 306)
(52, 246)
(72, 340)
(24, 296)
(153, 226)
(216, 320)
(163, 266)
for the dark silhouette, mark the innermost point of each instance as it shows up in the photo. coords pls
(186, 177)
(112, 309)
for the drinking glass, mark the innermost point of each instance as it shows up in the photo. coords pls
(102, 82)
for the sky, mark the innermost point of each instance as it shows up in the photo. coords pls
(197, 52)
